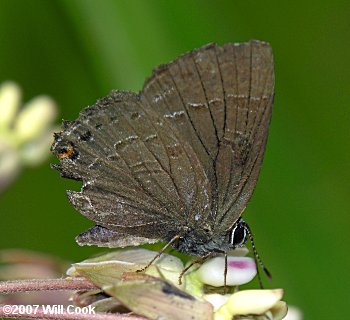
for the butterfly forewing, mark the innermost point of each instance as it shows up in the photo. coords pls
(249, 95)
(220, 101)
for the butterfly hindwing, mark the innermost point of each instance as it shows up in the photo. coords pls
(126, 156)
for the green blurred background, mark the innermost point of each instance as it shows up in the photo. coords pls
(77, 51)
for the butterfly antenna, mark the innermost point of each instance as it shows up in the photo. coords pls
(256, 256)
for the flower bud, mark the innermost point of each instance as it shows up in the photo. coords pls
(34, 152)
(9, 164)
(35, 118)
(10, 96)
(245, 302)
(240, 270)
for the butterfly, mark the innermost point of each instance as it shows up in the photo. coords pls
(178, 161)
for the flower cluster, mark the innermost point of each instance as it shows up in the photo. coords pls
(158, 292)
(26, 134)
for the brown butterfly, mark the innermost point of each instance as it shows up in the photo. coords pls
(178, 161)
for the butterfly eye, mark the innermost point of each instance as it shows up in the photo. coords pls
(238, 235)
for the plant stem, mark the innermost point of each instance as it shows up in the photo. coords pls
(45, 285)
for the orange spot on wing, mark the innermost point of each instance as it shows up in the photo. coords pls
(68, 153)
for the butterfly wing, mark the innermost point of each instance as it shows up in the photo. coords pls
(138, 179)
(186, 150)
(220, 100)
(248, 83)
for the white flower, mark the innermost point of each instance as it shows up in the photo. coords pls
(293, 314)
(253, 302)
(120, 261)
(240, 269)
(115, 272)
(25, 135)
(216, 299)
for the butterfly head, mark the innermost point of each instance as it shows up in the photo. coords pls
(200, 241)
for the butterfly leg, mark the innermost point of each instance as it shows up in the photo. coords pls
(225, 274)
(159, 253)
(196, 261)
